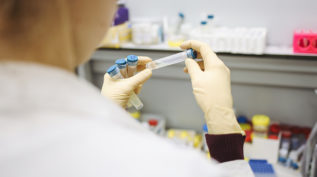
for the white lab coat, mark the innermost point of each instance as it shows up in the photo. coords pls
(54, 124)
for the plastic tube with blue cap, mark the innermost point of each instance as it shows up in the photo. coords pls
(179, 23)
(132, 61)
(122, 65)
(134, 100)
(172, 59)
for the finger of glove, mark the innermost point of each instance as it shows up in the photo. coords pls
(142, 61)
(209, 57)
(193, 67)
(138, 89)
(201, 65)
(139, 78)
(107, 77)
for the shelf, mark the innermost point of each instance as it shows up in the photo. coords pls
(270, 50)
(285, 51)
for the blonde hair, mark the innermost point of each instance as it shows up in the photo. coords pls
(29, 24)
(19, 17)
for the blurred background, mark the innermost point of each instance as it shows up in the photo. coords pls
(280, 17)
(270, 47)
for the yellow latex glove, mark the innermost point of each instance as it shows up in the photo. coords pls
(212, 89)
(120, 90)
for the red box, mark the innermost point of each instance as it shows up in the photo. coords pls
(305, 41)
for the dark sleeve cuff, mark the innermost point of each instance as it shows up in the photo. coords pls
(225, 147)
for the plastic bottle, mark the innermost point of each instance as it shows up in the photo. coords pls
(210, 18)
(122, 65)
(286, 140)
(203, 27)
(184, 137)
(179, 23)
(122, 14)
(245, 126)
(205, 131)
(152, 123)
(171, 134)
(274, 130)
(285, 146)
(136, 115)
(132, 65)
(260, 125)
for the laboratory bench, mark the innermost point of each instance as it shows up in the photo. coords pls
(278, 83)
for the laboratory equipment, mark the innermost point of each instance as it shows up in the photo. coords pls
(122, 65)
(205, 131)
(285, 146)
(307, 163)
(203, 27)
(122, 14)
(305, 41)
(155, 123)
(210, 18)
(147, 31)
(274, 131)
(152, 123)
(136, 115)
(179, 23)
(260, 125)
(210, 23)
(261, 168)
(114, 72)
(184, 137)
(172, 59)
(313, 170)
(246, 127)
(232, 40)
(132, 61)
(117, 35)
(176, 30)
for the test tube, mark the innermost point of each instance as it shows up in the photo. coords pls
(114, 72)
(179, 23)
(132, 61)
(172, 59)
(122, 65)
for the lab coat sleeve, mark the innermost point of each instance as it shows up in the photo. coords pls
(225, 147)
(228, 150)
(238, 168)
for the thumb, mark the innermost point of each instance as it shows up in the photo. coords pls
(192, 67)
(140, 78)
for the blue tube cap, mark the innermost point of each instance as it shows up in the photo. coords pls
(210, 16)
(113, 70)
(181, 15)
(203, 23)
(205, 128)
(121, 63)
(132, 60)
(191, 53)
(242, 119)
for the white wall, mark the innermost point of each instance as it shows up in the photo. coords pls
(280, 17)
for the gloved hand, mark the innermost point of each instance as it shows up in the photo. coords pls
(212, 89)
(120, 90)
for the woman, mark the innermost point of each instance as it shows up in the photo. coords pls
(53, 124)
